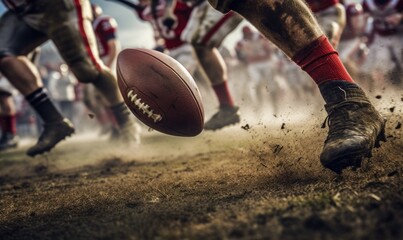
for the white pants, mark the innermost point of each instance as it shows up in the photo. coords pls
(208, 26)
(185, 55)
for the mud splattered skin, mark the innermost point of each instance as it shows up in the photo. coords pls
(288, 24)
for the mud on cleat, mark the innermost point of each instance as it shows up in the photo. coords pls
(8, 141)
(355, 126)
(52, 134)
(224, 117)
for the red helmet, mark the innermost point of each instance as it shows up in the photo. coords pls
(96, 10)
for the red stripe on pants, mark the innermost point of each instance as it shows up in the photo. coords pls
(83, 34)
(217, 27)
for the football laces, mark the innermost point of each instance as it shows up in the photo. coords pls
(143, 107)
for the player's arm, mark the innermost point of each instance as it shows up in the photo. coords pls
(110, 29)
(114, 48)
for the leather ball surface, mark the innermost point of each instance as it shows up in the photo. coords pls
(160, 92)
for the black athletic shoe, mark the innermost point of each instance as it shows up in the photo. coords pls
(355, 127)
(52, 134)
(224, 117)
(8, 141)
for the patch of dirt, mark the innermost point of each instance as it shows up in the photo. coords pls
(257, 180)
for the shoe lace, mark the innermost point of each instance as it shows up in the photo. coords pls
(339, 118)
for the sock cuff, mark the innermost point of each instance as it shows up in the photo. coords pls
(120, 107)
(121, 113)
(35, 93)
(223, 83)
(43, 106)
(223, 94)
(319, 48)
(37, 97)
(321, 61)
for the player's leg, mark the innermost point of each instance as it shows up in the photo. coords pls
(271, 78)
(186, 56)
(8, 121)
(212, 29)
(17, 39)
(91, 102)
(355, 127)
(72, 33)
(253, 80)
(214, 66)
(288, 24)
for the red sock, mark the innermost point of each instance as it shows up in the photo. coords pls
(222, 92)
(110, 116)
(321, 61)
(9, 124)
(103, 117)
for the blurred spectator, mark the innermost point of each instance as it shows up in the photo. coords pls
(386, 48)
(61, 86)
(257, 54)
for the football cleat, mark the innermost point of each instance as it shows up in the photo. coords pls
(8, 141)
(52, 134)
(355, 127)
(224, 117)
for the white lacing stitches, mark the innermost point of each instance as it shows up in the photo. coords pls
(143, 106)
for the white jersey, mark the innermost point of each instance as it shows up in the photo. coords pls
(380, 13)
(208, 26)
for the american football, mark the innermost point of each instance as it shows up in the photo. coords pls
(160, 92)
